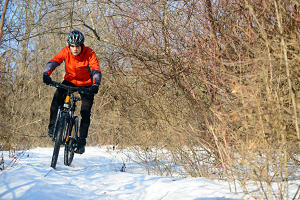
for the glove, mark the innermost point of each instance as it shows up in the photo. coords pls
(94, 89)
(46, 78)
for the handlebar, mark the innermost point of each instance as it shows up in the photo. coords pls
(71, 89)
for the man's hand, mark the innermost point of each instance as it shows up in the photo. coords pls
(46, 78)
(94, 88)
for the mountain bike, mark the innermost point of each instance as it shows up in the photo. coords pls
(66, 124)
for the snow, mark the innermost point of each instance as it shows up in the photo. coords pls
(96, 175)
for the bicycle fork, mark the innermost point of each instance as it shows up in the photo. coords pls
(71, 114)
(67, 107)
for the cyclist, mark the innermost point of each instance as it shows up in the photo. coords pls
(82, 70)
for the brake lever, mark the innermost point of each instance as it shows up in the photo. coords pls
(54, 84)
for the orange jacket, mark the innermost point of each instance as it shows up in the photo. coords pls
(81, 70)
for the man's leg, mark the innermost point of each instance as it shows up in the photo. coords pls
(56, 101)
(86, 106)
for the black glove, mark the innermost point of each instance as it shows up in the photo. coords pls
(94, 89)
(46, 78)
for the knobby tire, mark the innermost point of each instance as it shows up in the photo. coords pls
(56, 124)
(58, 139)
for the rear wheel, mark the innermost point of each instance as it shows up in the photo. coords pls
(71, 142)
(59, 138)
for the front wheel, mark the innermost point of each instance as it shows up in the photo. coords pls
(56, 124)
(71, 142)
(59, 138)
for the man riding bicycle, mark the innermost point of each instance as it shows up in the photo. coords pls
(82, 70)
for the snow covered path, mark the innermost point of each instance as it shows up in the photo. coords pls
(96, 175)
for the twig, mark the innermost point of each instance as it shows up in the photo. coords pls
(296, 192)
(48, 172)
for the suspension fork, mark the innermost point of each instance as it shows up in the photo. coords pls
(71, 112)
(67, 106)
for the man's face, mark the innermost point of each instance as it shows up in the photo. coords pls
(75, 50)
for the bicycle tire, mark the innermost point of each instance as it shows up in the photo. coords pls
(58, 139)
(69, 146)
(56, 124)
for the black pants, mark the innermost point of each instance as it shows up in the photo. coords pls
(86, 106)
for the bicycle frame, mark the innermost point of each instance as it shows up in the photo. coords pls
(69, 106)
